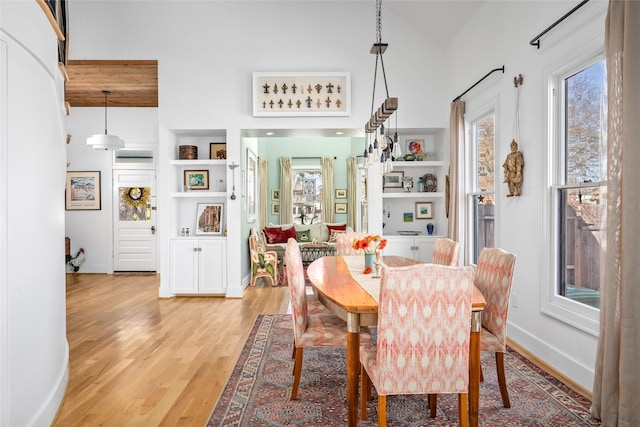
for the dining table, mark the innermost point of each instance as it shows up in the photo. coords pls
(340, 284)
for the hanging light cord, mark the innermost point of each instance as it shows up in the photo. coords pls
(106, 92)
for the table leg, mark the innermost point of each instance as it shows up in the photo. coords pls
(474, 368)
(353, 366)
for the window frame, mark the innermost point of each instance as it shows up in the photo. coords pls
(306, 168)
(571, 312)
(470, 171)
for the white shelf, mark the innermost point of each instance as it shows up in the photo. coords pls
(204, 162)
(198, 193)
(413, 195)
(416, 164)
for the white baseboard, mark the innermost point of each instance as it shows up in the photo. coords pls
(49, 409)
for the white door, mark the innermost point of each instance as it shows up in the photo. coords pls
(134, 233)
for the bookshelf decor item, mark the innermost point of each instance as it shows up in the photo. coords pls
(301, 94)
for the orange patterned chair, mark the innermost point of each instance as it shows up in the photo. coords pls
(319, 330)
(423, 336)
(494, 274)
(445, 252)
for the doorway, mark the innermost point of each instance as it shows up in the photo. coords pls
(134, 220)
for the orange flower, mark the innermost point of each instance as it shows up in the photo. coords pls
(367, 270)
(370, 244)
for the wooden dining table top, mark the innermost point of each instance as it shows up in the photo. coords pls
(331, 277)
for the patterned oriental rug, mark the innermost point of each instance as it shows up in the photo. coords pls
(257, 393)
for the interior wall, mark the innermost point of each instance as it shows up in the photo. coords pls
(33, 347)
(478, 49)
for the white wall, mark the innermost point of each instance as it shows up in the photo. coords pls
(499, 34)
(33, 347)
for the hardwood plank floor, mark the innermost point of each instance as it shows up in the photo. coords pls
(139, 360)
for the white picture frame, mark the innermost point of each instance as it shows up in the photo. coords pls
(322, 94)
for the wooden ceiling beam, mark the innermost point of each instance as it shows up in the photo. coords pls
(132, 83)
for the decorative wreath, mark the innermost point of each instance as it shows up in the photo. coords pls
(136, 197)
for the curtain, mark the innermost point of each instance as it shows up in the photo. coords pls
(616, 389)
(285, 191)
(263, 178)
(328, 214)
(456, 137)
(352, 192)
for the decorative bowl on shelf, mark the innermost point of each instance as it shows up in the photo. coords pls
(409, 157)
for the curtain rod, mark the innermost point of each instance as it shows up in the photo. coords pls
(536, 39)
(476, 83)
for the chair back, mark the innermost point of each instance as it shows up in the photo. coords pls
(344, 243)
(424, 318)
(494, 274)
(257, 235)
(445, 252)
(297, 293)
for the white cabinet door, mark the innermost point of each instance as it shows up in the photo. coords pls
(424, 251)
(183, 266)
(213, 266)
(401, 246)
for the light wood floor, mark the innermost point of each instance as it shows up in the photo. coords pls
(138, 360)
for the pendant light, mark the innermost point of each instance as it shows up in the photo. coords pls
(106, 141)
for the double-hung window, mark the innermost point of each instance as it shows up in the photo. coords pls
(306, 188)
(578, 191)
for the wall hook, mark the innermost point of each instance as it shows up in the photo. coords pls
(518, 80)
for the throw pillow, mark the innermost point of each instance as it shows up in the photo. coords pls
(274, 235)
(289, 233)
(326, 229)
(304, 236)
(334, 235)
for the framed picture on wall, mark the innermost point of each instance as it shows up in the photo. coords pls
(341, 193)
(82, 191)
(341, 208)
(275, 194)
(424, 210)
(209, 218)
(196, 179)
(275, 208)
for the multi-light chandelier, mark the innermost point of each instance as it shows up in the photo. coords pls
(383, 148)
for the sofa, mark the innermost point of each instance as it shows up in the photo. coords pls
(277, 235)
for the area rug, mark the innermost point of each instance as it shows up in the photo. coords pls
(257, 392)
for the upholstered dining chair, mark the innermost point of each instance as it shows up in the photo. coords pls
(423, 336)
(344, 243)
(494, 274)
(445, 252)
(318, 330)
(264, 263)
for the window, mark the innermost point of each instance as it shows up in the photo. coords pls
(481, 194)
(306, 188)
(578, 190)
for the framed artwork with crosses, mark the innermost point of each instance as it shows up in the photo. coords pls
(301, 94)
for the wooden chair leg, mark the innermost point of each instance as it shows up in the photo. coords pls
(481, 376)
(382, 411)
(463, 409)
(297, 370)
(502, 381)
(365, 392)
(433, 404)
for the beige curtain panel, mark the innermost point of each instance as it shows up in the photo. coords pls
(285, 191)
(328, 214)
(263, 197)
(616, 388)
(456, 136)
(352, 192)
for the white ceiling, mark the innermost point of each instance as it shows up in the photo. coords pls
(439, 20)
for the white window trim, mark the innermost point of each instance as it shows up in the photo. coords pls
(488, 107)
(571, 312)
